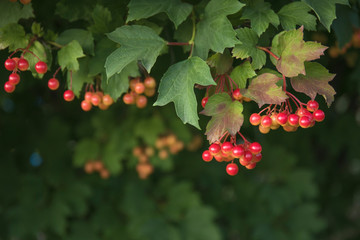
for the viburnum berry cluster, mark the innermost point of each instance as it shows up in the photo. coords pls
(144, 167)
(249, 154)
(288, 118)
(168, 143)
(97, 166)
(139, 90)
(17, 65)
(97, 99)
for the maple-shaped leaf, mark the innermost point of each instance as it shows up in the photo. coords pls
(294, 51)
(247, 47)
(242, 73)
(263, 90)
(69, 54)
(226, 116)
(80, 77)
(316, 81)
(12, 12)
(260, 15)
(177, 85)
(137, 43)
(215, 31)
(221, 62)
(325, 10)
(297, 13)
(13, 36)
(177, 10)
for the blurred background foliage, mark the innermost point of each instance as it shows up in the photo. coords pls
(307, 187)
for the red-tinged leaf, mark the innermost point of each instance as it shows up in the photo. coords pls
(316, 81)
(263, 90)
(226, 116)
(294, 51)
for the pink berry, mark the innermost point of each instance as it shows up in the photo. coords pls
(312, 105)
(282, 118)
(255, 148)
(232, 169)
(22, 64)
(53, 84)
(41, 67)
(214, 148)
(304, 121)
(293, 120)
(10, 64)
(8, 87)
(319, 115)
(206, 156)
(238, 151)
(69, 95)
(255, 119)
(237, 94)
(204, 101)
(266, 121)
(226, 147)
(14, 79)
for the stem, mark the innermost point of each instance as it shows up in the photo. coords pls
(294, 98)
(284, 83)
(269, 52)
(191, 41)
(55, 44)
(226, 134)
(70, 80)
(56, 72)
(177, 43)
(28, 46)
(242, 136)
(263, 110)
(230, 79)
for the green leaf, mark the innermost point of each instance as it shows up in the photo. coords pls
(104, 47)
(44, 54)
(247, 48)
(260, 15)
(13, 36)
(85, 150)
(242, 73)
(226, 116)
(177, 85)
(316, 81)
(119, 83)
(36, 29)
(74, 10)
(294, 51)
(325, 10)
(101, 20)
(84, 37)
(297, 13)
(215, 31)
(137, 43)
(221, 62)
(263, 90)
(176, 10)
(343, 26)
(69, 54)
(11, 12)
(79, 77)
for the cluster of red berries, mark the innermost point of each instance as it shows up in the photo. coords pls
(20, 64)
(249, 154)
(137, 89)
(303, 117)
(97, 166)
(144, 167)
(97, 99)
(168, 143)
(22, 1)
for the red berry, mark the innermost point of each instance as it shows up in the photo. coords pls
(214, 148)
(53, 84)
(312, 105)
(141, 101)
(255, 148)
(251, 166)
(232, 169)
(88, 96)
(86, 106)
(95, 99)
(293, 120)
(204, 101)
(150, 82)
(257, 157)
(226, 147)
(266, 121)
(9, 88)
(304, 121)
(22, 64)
(302, 112)
(247, 156)
(206, 156)
(238, 151)
(237, 94)
(14, 79)
(107, 100)
(128, 98)
(255, 119)
(10, 64)
(69, 95)
(319, 115)
(139, 88)
(41, 67)
(219, 158)
(282, 118)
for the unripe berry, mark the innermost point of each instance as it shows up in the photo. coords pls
(139, 88)
(214, 148)
(89, 168)
(133, 82)
(319, 115)
(22, 64)
(41, 67)
(69, 95)
(232, 169)
(293, 120)
(53, 84)
(104, 174)
(141, 101)
(102, 106)
(86, 106)
(282, 118)
(150, 82)
(312, 105)
(226, 147)
(219, 158)
(204, 101)
(264, 130)
(255, 119)
(206, 156)
(238, 151)
(302, 112)
(95, 99)
(8, 87)
(14, 79)
(266, 121)
(289, 128)
(255, 148)
(107, 100)
(88, 96)
(304, 121)
(10, 64)
(237, 94)
(251, 166)
(149, 92)
(274, 124)
(257, 157)
(128, 98)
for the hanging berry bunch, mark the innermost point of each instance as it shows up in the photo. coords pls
(138, 91)
(96, 166)
(144, 168)
(95, 98)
